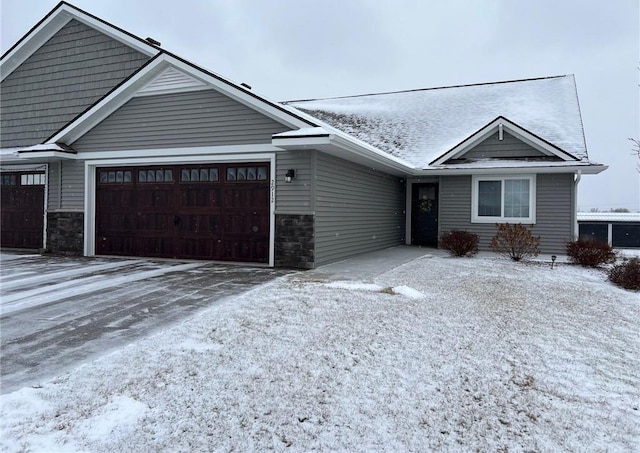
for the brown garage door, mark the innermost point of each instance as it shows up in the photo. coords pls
(216, 212)
(22, 206)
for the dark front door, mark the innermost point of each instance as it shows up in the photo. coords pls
(22, 205)
(214, 211)
(424, 214)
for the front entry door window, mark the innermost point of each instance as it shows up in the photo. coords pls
(424, 224)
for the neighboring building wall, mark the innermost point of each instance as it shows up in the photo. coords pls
(620, 234)
(357, 209)
(554, 206)
(69, 73)
(197, 118)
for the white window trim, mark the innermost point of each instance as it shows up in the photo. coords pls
(475, 218)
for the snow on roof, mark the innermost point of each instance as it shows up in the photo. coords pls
(421, 125)
(609, 216)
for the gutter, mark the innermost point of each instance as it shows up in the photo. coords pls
(574, 211)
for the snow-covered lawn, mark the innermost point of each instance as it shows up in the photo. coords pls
(440, 354)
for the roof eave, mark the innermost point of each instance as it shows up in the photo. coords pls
(346, 147)
(585, 169)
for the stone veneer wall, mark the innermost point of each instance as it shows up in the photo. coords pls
(65, 232)
(294, 241)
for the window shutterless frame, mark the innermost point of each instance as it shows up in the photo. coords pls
(492, 199)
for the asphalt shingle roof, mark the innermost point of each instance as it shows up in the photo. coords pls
(421, 125)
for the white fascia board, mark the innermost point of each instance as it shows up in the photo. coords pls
(52, 25)
(178, 160)
(248, 151)
(301, 142)
(584, 169)
(47, 155)
(515, 130)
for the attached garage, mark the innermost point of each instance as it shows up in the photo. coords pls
(22, 205)
(200, 211)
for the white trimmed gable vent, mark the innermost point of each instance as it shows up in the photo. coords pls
(171, 80)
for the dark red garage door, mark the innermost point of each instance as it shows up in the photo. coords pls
(215, 212)
(22, 206)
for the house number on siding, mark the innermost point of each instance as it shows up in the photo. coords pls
(273, 191)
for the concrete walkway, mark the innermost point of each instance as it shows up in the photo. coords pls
(369, 265)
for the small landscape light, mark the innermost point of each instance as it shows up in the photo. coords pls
(553, 260)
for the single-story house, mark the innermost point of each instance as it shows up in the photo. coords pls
(618, 229)
(112, 145)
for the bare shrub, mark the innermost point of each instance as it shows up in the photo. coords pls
(590, 253)
(626, 274)
(460, 243)
(515, 241)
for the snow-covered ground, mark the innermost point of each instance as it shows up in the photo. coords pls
(440, 354)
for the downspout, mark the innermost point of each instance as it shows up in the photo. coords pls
(574, 214)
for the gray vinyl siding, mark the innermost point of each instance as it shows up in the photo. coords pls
(296, 197)
(69, 73)
(357, 209)
(554, 204)
(197, 118)
(66, 186)
(554, 220)
(508, 147)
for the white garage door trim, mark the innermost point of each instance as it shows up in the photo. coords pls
(90, 187)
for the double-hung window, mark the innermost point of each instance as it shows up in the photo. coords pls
(503, 199)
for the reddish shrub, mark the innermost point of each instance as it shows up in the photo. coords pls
(515, 241)
(460, 243)
(590, 253)
(626, 274)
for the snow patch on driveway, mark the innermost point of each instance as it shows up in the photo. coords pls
(52, 293)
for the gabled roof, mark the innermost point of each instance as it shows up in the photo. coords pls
(501, 125)
(140, 82)
(52, 23)
(422, 126)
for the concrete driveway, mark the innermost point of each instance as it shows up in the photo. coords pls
(56, 312)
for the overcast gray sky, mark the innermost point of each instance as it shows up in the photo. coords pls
(288, 49)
